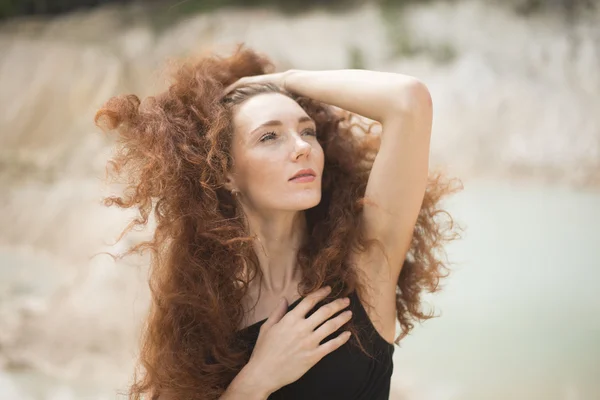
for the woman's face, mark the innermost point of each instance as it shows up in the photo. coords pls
(277, 160)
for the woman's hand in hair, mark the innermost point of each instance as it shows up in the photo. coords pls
(275, 78)
(289, 344)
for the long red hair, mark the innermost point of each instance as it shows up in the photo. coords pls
(173, 152)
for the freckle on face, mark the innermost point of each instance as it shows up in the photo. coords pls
(262, 170)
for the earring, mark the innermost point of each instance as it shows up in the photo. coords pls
(235, 192)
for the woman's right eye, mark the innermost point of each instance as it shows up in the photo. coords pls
(268, 136)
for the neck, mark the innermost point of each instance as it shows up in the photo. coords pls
(277, 238)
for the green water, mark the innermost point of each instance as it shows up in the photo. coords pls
(521, 313)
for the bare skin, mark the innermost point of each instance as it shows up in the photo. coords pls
(267, 156)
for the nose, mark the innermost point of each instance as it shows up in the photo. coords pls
(301, 148)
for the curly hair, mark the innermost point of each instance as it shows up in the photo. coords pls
(173, 155)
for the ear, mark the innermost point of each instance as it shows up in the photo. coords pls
(229, 182)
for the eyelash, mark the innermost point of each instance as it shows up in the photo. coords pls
(269, 135)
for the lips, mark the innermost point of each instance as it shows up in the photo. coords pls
(304, 175)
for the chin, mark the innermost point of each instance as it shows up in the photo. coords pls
(304, 201)
(309, 205)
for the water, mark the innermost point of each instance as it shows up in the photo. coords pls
(520, 314)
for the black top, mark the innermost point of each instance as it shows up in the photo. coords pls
(346, 373)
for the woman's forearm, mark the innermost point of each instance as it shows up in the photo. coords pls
(247, 385)
(375, 95)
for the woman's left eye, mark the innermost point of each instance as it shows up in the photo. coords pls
(268, 136)
(310, 132)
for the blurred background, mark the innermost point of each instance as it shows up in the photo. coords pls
(516, 88)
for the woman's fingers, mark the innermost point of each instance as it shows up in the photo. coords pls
(327, 311)
(234, 85)
(276, 315)
(276, 78)
(331, 326)
(331, 345)
(309, 302)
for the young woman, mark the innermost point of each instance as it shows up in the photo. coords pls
(289, 237)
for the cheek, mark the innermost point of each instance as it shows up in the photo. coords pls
(258, 172)
(319, 156)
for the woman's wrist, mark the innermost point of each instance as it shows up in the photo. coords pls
(286, 78)
(250, 384)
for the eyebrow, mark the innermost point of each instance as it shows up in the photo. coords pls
(276, 122)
